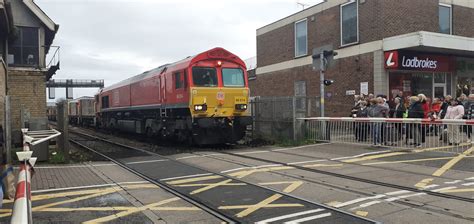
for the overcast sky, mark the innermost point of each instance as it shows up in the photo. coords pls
(116, 39)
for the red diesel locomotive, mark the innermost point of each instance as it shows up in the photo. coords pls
(201, 99)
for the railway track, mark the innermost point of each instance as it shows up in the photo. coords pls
(342, 188)
(228, 192)
(358, 179)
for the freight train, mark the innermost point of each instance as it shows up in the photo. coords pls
(201, 100)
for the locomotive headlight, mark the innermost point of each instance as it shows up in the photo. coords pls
(200, 107)
(241, 106)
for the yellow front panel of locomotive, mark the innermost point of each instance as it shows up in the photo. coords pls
(220, 102)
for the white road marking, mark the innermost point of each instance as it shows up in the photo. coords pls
(453, 182)
(431, 186)
(360, 155)
(358, 200)
(88, 186)
(299, 147)
(148, 161)
(397, 192)
(469, 178)
(468, 184)
(253, 152)
(309, 218)
(187, 157)
(288, 216)
(182, 177)
(236, 169)
(366, 205)
(310, 161)
(404, 196)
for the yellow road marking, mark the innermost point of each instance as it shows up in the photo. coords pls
(323, 165)
(211, 186)
(409, 161)
(374, 157)
(242, 174)
(231, 207)
(289, 189)
(39, 208)
(458, 190)
(112, 208)
(452, 162)
(131, 211)
(249, 209)
(190, 180)
(424, 183)
(362, 213)
(203, 185)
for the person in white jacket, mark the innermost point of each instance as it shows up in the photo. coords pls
(454, 111)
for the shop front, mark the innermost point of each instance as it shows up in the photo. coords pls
(464, 76)
(412, 73)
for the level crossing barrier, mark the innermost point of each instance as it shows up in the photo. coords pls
(434, 135)
(22, 205)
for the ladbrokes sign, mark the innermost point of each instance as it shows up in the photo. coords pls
(399, 60)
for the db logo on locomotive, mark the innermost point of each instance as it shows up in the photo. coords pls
(220, 95)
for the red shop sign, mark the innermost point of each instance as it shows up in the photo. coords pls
(400, 60)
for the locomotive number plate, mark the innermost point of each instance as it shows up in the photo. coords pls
(220, 95)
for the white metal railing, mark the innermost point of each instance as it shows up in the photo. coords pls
(22, 206)
(435, 135)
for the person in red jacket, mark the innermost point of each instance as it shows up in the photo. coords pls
(435, 114)
(426, 110)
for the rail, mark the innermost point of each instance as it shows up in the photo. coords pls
(22, 212)
(436, 135)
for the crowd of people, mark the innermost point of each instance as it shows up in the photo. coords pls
(419, 106)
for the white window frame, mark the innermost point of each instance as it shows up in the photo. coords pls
(450, 17)
(296, 47)
(340, 22)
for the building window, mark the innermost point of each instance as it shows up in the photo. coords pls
(301, 38)
(445, 19)
(24, 50)
(349, 23)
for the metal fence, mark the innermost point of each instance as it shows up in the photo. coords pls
(276, 118)
(439, 135)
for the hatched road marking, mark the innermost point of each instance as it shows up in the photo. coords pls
(288, 216)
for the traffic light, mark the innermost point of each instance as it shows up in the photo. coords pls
(328, 82)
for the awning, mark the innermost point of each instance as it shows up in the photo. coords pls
(431, 42)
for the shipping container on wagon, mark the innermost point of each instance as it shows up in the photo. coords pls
(86, 106)
(72, 108)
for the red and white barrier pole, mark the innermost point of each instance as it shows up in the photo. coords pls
(22, 205)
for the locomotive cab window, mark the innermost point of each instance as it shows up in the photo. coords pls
(178, 81)
(204, 77)
(233, 77)
(105, 102)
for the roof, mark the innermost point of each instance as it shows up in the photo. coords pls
(213, 53)
(44, 18)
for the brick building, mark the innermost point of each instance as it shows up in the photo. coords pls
(24, 54)
(384, 47)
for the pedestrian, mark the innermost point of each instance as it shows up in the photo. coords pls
(362, 126)
(415, 111)
(425, 105)
(470, 116)
(377, 110)
(435, 110)
(396, 128)
(455, 111)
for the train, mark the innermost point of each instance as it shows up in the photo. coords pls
(202, 99)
